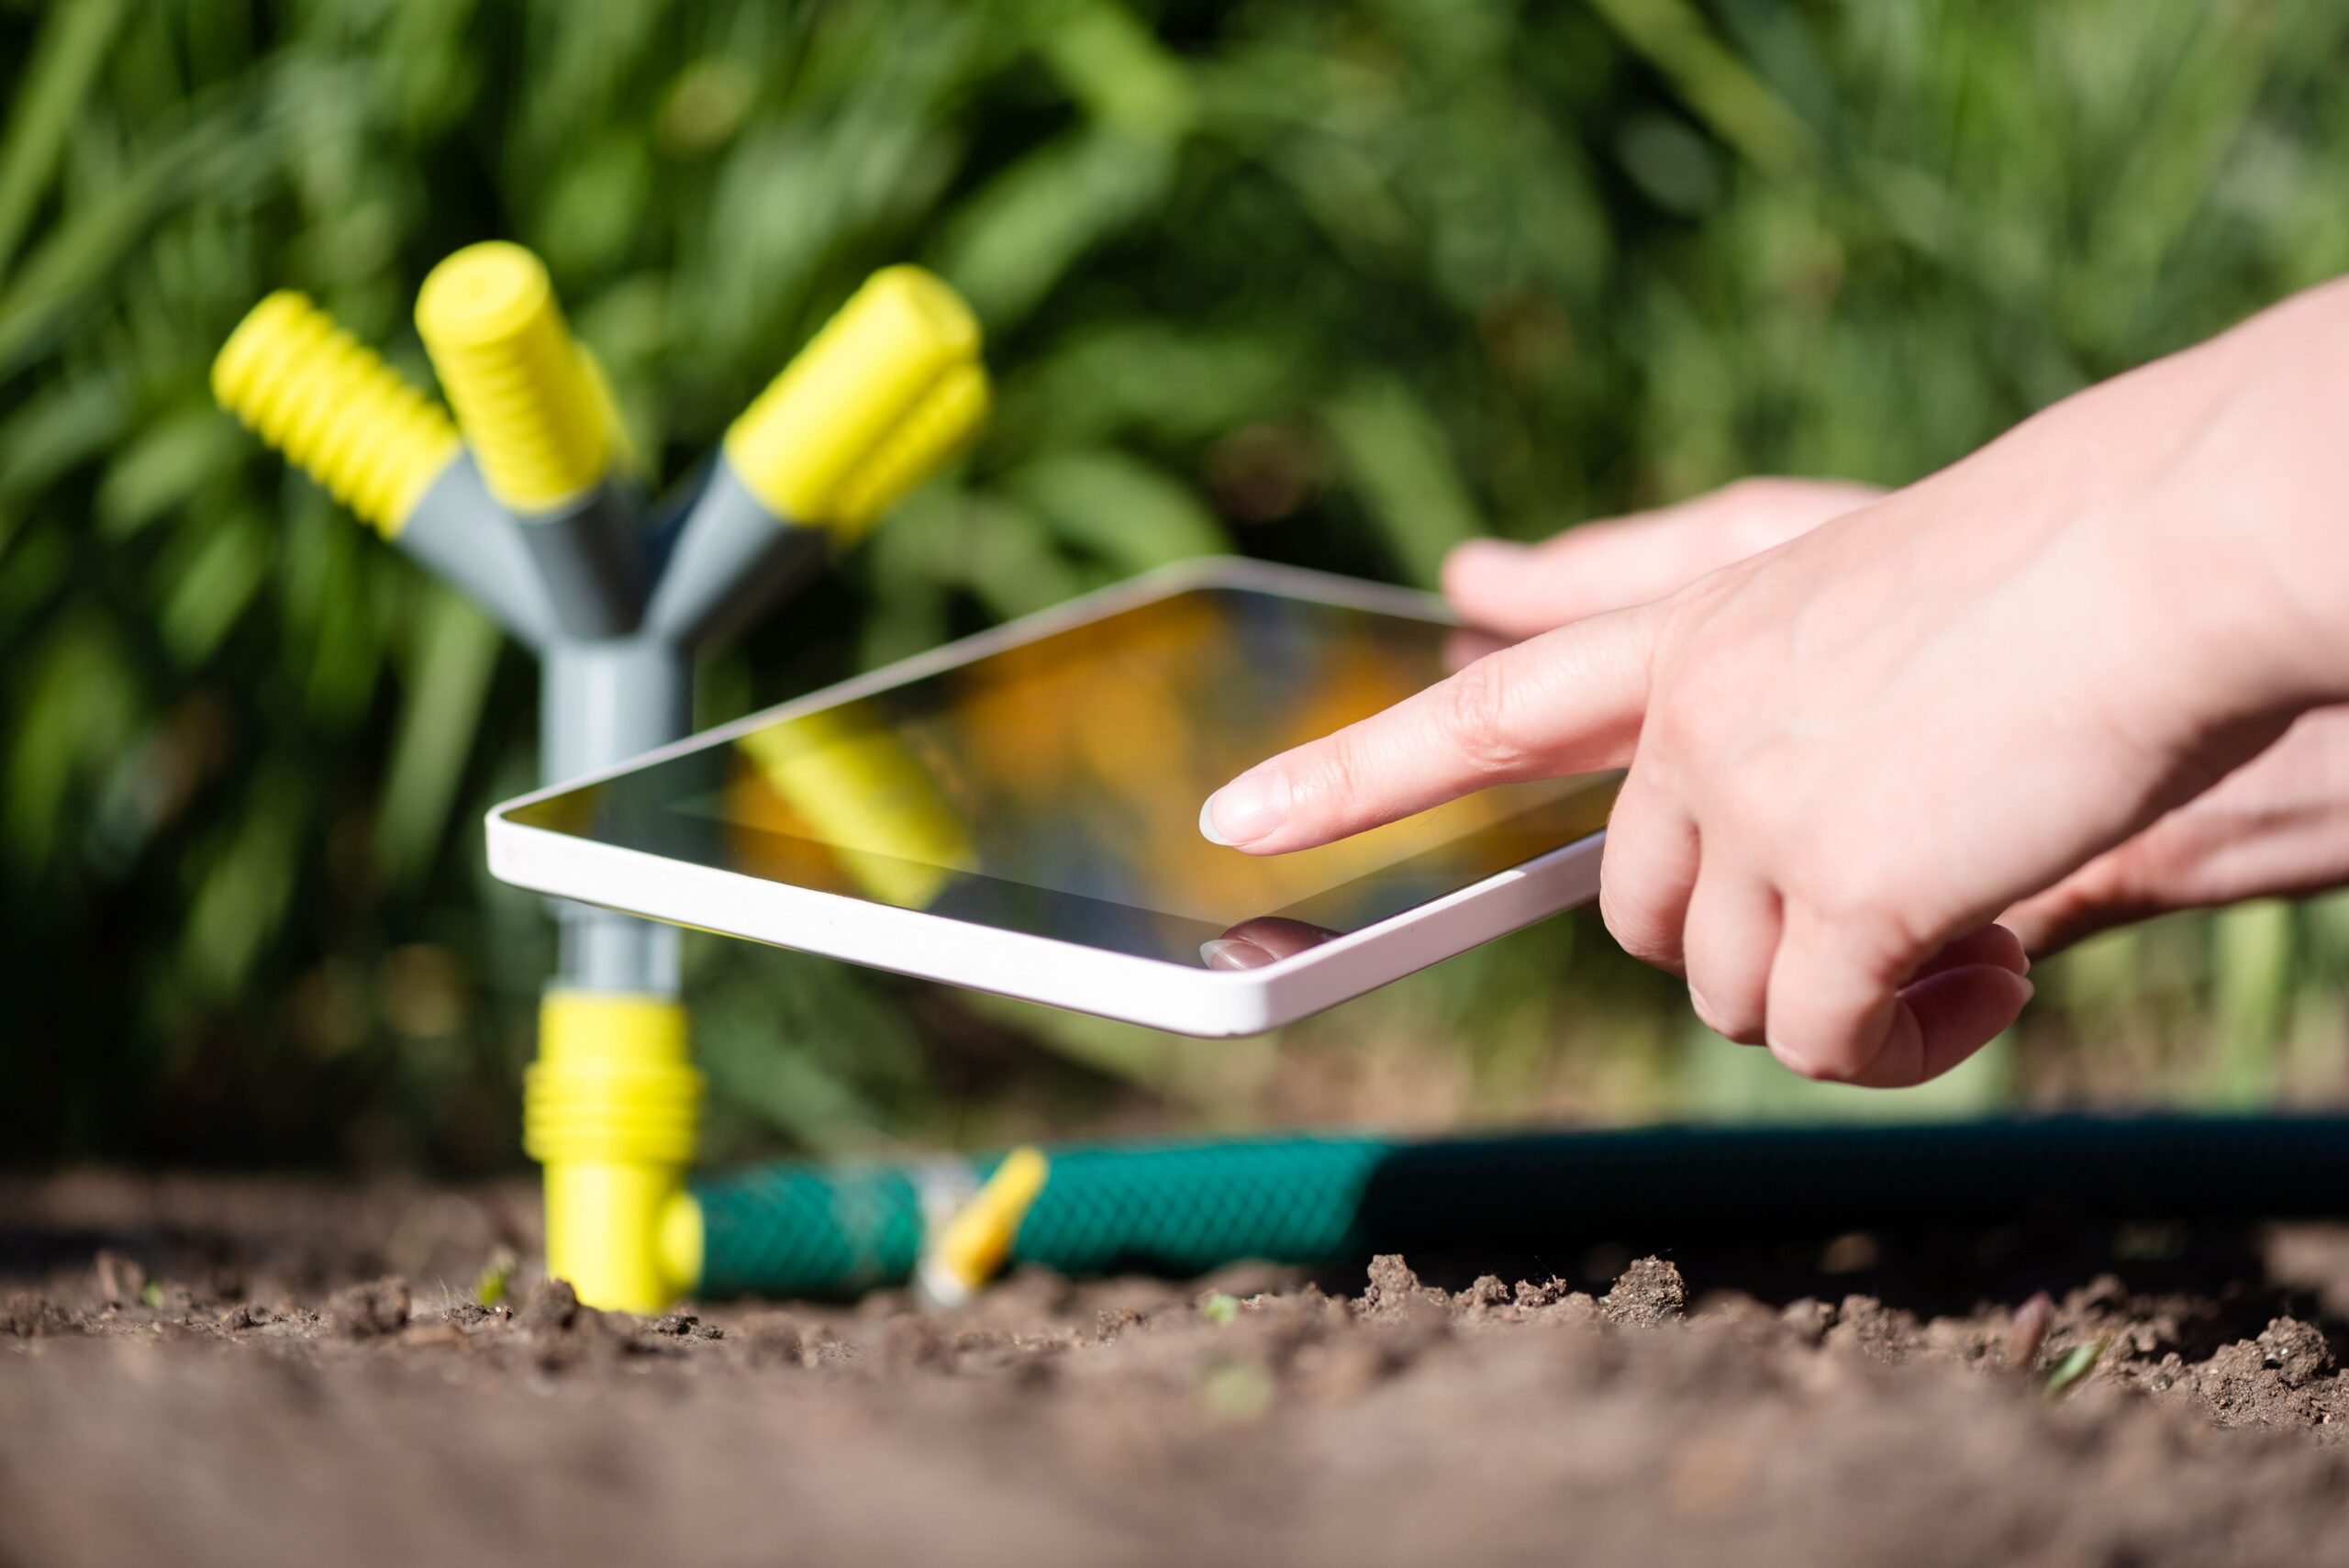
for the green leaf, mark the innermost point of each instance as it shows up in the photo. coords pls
(165, 464)
(1398, 458)
(211, 587)
(1112, 64)
(1016, 238)
(1738, 104)
(245, 889)
(1118, 508)
(82, 703)
(2077, 1364)
(58, 430)
(95, 239)
(44, 106)
(447, 682)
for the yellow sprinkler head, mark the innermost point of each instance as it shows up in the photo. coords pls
(334, 409)
(537, 419)
(883, 395)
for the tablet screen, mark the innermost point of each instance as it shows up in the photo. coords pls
(1053, 787)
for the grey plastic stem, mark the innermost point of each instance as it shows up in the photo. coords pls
(601, 703)
(471, 541)
(570, 582)
(590, 560)
(732, 557)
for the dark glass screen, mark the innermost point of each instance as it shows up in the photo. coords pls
(1053, 788)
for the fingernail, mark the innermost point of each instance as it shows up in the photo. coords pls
(1232, 953)
(1250, 807)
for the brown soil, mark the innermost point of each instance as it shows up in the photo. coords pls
(202, 1372)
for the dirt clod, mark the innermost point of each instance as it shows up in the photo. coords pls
(772, 1339)
(1395, 1292)
(1647, 1294)
(364, 1311)
(552, 1309)
(29, 1316)
(2295, 1350)
(1810, 1318)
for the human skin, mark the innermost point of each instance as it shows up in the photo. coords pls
(1850, 753)
(2278, 826)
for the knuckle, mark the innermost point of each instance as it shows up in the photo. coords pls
(1852, 897)
(1754, 490)
(1334, 777)
(1474, 716)
(1638, 930)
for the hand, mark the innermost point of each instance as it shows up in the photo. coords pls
(1850, 753)
(1519, 590)
(2278, 827)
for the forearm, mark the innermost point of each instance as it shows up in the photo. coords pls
(2249, 521)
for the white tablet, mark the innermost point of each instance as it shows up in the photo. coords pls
(1018, 812)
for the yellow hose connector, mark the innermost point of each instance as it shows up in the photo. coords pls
(886, 390)
(976, 1243)
(532, 408)
(612, 1109)
(334, 409)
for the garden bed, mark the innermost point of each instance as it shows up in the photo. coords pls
(251, 1371)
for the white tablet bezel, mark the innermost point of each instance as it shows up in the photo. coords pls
(1154, 992)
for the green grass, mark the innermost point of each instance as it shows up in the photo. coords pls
(1333, 284)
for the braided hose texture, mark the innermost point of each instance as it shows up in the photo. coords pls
(1184, 1209)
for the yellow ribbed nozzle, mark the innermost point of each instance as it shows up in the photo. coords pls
(532, 413)
(611, 1109)
(942, 424)
(977, 1242)
(804, 446)
(334, 409)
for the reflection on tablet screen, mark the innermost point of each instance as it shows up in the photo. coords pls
(1054, 788)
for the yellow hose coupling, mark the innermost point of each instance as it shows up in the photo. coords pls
(533, 410)
(334, 409)
(977, 1242)
(612, 1109)
(884, 393)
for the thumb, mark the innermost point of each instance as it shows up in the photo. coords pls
(1570, 701)
(2103, 893)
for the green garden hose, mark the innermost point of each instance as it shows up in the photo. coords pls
(811, 1230)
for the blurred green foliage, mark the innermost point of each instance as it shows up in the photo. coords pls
(1339, 284)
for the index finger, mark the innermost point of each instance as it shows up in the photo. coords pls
(1569, 701)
